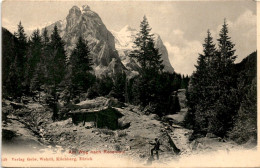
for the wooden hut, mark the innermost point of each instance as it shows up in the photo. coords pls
(106, 117)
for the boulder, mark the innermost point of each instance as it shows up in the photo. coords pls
(123, 123)
(193, 145)
(128, 148)
(17, 105)
(113, 102)
(117, 147)
(211, 135)
(149, 109)
(89, 125)
(155, 117)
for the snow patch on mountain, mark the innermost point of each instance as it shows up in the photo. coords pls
(124, 44)
(124, 39)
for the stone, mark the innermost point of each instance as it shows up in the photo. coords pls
(211, 135)
(142, 155)
(200, 146)
(113, 102)
(127, 148)
(17, 105)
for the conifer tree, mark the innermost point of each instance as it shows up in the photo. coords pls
(45, 37)
(209, 48)
(33, 61)
(141, 44)
(56, 68)
(80, 63)
(145, 52)
(20, 63)
(226, 46)
(199, 96)
(46, 56)
(150, 61)
(224, 83)
(57, 58)
(211, 94)
(21, 46)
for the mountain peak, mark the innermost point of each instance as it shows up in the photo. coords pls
(85, 8)
(127, 28)
(74, 9)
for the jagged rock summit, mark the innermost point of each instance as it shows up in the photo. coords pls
(110, 52)
(87, 24)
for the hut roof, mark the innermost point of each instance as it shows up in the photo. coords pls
(91, 110)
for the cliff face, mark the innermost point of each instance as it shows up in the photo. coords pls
(110, 52)
(87, 24)
(162, 49)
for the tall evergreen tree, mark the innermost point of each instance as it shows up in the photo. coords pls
(150, 61)
(45, 59)
(199, 95)
(21, 46)
(80, 62)
(20, 60)
(224, 83)
(211, 93)
(57, 58)
(226, 47)
(141, 43)
(145, 52)
(33, 61)
(56, 68)
(45, 37)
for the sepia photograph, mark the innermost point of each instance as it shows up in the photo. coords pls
(129, 83)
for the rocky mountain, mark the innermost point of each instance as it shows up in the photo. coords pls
(87, 24)
(110, 51)
(124, 40)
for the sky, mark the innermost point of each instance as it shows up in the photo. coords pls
(181, 25)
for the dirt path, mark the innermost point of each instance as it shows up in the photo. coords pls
(16, 137)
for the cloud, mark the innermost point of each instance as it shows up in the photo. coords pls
(183, 54)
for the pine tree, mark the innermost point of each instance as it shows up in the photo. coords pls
(223, 82)
(150, 61)
(211, 94)
(141, 43)
(33, 61)
(21, 46)
(209, 48)
(200, 89)
(80, 62)
(56, 69)
(57, 58)
(20, 63)
(146, 53)
(226, 46)
(45, 37)
(120, 87)
(45, 57)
